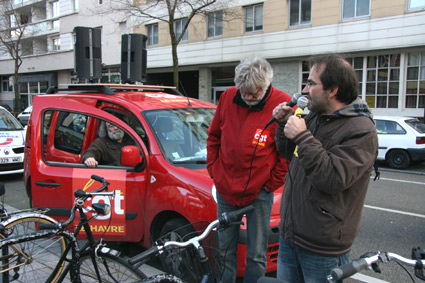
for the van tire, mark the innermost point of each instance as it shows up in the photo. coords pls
(398, 159)
(175, 261)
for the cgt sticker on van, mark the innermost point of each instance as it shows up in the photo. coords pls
(113, 223)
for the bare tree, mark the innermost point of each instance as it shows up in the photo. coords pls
(167, 11)
(12, 30)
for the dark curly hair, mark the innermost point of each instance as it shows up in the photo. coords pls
(337, 72)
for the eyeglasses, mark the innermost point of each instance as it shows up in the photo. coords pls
(310, 83)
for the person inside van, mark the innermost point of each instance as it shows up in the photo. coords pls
(106, 148)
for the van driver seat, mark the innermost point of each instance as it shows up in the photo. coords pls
(164, 126)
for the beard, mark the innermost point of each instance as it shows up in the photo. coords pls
(319, 103)
(116, 134)
(253, 102)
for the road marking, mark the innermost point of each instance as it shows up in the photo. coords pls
(365, 278)
(395, 211)
(402, 181)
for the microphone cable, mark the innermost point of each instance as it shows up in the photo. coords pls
(252, 160)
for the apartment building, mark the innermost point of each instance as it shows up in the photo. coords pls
(384, 41)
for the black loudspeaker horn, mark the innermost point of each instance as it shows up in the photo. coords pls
(88, 53)
(133, 58)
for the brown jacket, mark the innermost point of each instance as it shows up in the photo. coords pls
(106, 151)
(326, 185)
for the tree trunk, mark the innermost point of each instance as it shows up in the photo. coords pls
(175, 66)
(17, 100)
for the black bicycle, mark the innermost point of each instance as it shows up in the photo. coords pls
(19, 222)
(197, 250)
(93, 262)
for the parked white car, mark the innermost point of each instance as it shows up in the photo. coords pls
(401, 140)
(12, 142)
(24, 116)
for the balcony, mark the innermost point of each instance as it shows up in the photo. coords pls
(21, 3)
(40, 28)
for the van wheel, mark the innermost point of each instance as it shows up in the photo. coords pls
(178, 261)
(398, 159)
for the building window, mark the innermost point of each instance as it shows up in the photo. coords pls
(253, 18)
(56, 44)
(25, 19)
(415, 80)
(416, 5)
(12, 21)
(299, 12)
(100, 2)
(29, 89)
(55, 9)
(355, 8)
(305, 72)
(357, 64)
(76, 5)
(215, 24)
(7, 83)
(152, 31)
(383, 80)
(178, 28)
(55, 14)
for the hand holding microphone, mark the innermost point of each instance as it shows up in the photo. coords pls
(295, 124)
(284, 110)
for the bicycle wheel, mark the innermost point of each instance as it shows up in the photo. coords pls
(38, 257)
(111, 269)
(163, 278)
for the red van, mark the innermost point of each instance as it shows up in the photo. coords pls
(164, 186)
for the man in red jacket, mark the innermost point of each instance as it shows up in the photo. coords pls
(243, 161)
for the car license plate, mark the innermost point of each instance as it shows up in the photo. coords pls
(9, 160)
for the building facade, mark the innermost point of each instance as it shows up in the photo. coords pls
(384, 41)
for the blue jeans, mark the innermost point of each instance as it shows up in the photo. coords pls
(258, 222)
(297, 265)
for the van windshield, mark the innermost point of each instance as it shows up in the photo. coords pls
(182, 133)
(8, 122)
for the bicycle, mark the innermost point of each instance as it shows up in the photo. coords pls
(371, 260)
(203, 265)
(22, 222)
(93, 262)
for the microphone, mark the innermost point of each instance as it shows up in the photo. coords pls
(302, 103)
(291, 103)
(294, 99)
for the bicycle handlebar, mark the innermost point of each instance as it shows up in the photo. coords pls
(225, 220)
(98, 178)
(79, 193)
(355, 266)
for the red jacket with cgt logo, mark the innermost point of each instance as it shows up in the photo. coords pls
(232, 138)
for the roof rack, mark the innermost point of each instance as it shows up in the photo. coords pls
(109, 88)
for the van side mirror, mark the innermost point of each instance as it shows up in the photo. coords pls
(130, 156)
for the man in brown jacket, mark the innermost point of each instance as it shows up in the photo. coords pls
(332, 152)
(106, 150)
